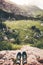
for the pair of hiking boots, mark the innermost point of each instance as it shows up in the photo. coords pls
(24, 58)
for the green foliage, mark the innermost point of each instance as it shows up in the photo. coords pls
(24, 32)
(2, 25)
(39, 44)
(16, 47)
(5, 46)
(29, 40)
(18, 41)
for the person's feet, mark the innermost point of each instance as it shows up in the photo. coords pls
(18, 61)
(24, 58)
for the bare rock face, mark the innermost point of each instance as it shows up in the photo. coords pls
(8, 6)
(34, 56)
(25, 11)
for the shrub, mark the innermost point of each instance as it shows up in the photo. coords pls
(18, 41)
(39, 44)
(16, 47)
(2, 25)
(29, 40)
(5, 45)
(26, 40)
(37, 30)
(33, 27)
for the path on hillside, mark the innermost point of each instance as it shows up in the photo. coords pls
(34, 56)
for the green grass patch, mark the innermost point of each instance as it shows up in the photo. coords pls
(23, 27)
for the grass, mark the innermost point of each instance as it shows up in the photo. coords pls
(15, 46)
(23, 26)
(4, 45)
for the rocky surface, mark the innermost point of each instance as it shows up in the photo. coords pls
(8, 6)
(34, 56)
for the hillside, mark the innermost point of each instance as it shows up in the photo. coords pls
(20, 31)
(14, 34)
(32, 10)
(21, 11)
(8, 7)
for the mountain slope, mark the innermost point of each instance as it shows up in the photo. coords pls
(9, 7)
(26, 11)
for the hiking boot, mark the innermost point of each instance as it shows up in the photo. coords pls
(18, 61)
(24, 58)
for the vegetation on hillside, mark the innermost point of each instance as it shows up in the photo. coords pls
(20, 25)
(14, 34)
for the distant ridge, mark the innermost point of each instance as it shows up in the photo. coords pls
(27, 11)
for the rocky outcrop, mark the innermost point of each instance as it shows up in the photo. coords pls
(34, 56)
(8, 7)
(27, 11)
(11, 11)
